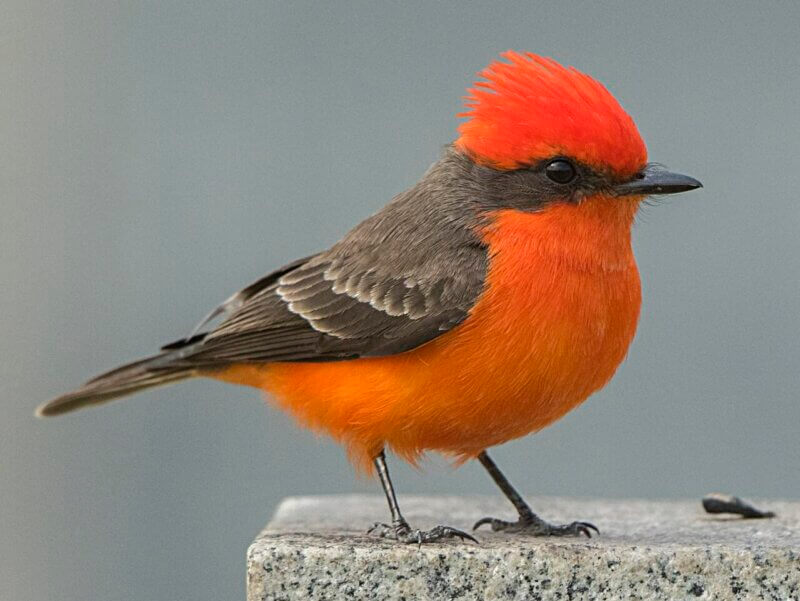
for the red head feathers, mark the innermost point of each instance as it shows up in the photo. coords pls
(532, 108)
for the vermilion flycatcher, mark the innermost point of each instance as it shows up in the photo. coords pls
(478, 306)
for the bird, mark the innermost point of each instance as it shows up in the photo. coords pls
(480, 305)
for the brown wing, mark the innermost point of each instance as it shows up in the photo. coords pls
(398, 280)
(320, 311)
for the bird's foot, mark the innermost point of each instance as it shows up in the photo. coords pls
(402, 532)
(535, 526)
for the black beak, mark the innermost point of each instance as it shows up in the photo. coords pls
(654, 180)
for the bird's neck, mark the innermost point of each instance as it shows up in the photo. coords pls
(594, 235)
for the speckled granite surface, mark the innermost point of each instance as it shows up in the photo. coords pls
(315, 548)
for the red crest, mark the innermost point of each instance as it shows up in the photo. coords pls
(531, 108)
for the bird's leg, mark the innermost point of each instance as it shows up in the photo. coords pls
(528, 522)
(399, 529)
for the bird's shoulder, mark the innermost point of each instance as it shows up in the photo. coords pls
(400, 278)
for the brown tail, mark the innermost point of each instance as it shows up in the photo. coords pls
(119, 382)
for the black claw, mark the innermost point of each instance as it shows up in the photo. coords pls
(440, 533)
(591, 527)
(448, 532)
(536, 527)
(575, 529)
(496, 524)
(402, 533)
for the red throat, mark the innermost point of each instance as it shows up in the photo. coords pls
(531, 108)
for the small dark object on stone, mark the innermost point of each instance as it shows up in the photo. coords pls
(719, 503)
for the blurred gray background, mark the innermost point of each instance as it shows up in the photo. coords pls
(157, 156)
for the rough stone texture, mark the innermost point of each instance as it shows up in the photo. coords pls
(315, 548)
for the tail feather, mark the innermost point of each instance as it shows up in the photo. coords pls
(122, 381)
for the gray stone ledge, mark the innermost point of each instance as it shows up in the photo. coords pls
(315, 548)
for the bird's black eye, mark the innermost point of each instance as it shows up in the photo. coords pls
(560, 171)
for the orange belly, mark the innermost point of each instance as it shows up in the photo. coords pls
(554, 323)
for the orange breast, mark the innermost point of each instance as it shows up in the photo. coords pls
(555, 321)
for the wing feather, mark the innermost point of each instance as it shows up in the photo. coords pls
(398, 280)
